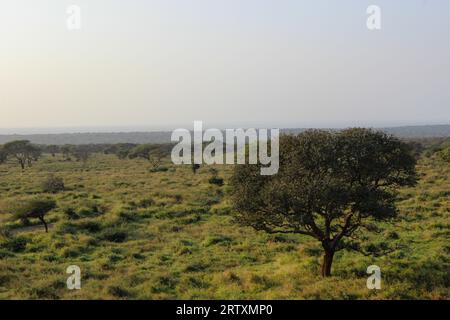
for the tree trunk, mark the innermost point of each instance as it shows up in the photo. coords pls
(327, 261)
(45, 223)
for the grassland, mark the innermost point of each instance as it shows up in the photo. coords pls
(138, 234)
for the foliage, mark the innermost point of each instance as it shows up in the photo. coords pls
(81, 153)
(121, 150)
(27, 208)
(444, 154)
(23, 151)
(215, 179)
(328, 185)
(149, 152)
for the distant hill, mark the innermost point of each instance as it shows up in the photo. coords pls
(431, 131)
(437, 131)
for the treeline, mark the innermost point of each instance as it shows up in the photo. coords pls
(163, 137)
(25, 153)
(430, 146)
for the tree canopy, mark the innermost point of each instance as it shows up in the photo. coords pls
(23, 151)
(31, 208)
(328, 186)
(153, 153)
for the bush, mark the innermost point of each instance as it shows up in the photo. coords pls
(53, 184)
(79, 226)
(118, 292)
(90, 226)
(196, 267)
(70, 213)
(219, 240)
(165, 284)
(178, 198)
(216, 180)
(114, 235)
(145, 203)
(159, 169)
(15, 244)
(445, 154)
(91, 209)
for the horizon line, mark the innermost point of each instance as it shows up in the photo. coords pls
(140, 129)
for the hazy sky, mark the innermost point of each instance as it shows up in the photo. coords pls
(277, 63)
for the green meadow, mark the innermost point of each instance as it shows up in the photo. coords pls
(167, 233)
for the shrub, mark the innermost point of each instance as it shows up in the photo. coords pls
(15, 244)
(89, 226)
(91, 209)
(165, 284)
(159, 169)
(145, 203)
(114, 235)
(53, 184)
(118, 292)
(221, 240)
(79, 226)
(216, 180)
(127, 216)
(215, 177)
(445, 154)
(196, 267)
(70, 213)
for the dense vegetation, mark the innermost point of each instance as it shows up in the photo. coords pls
(143, 233)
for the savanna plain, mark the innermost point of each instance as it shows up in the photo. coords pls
(141, 231)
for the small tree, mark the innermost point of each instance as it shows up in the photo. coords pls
(81, 153)
(149, 152)
(32, 208)
(66, 151)
(329, 186)
(53, 150)
(23, 151)
(121, 150)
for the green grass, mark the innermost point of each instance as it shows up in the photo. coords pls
(138, 233)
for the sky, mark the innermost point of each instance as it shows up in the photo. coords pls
(161, 64)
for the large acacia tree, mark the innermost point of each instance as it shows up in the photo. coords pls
(24, 209)
(23, 151)
(329, 186)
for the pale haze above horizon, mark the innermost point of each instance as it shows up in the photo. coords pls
(162, 64)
